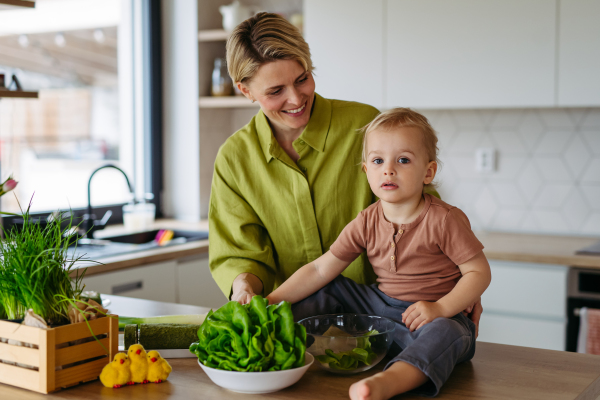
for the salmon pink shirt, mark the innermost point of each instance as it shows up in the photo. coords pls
(419, 261)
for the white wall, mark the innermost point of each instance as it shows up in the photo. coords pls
(181, 140)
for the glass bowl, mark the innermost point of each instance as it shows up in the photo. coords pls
(348, 343)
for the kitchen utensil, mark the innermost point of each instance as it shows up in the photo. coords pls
(234, 14)
(341, 334)
(257, 382)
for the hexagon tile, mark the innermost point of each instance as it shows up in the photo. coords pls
(548, 168)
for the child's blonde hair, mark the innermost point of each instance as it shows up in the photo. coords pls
(405, 117)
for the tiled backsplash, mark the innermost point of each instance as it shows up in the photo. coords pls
(547, 177)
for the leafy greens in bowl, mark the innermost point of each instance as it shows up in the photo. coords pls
(253, 337)
(348, 343)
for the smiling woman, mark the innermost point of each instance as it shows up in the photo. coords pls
(286, 184)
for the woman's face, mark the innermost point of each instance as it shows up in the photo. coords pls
(285, 92)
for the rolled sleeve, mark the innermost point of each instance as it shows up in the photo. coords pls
(239, 242)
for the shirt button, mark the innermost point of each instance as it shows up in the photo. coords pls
(393, 258)
(301, 141)
(393, 245)
(400, 231)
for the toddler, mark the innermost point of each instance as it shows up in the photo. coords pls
(429, 264)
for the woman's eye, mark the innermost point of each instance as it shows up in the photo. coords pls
(378, 161)
(303, 79)
(403, 160)
(275, 92)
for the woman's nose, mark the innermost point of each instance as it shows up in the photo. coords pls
(295, 97)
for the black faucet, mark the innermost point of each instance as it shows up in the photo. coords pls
(90, 224)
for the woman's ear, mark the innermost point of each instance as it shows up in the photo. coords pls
(245, 91)
(431, 171)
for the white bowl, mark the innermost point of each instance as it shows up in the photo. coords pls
(257, 382)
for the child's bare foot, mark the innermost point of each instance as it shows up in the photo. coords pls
(367, 389)
(400, 377)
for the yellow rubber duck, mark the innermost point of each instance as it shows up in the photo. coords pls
(158, 368)
(116, 373)
(139, 363)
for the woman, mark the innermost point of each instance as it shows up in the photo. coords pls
(286, 184)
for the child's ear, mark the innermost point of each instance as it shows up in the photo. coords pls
(431, 171)
(364, 167)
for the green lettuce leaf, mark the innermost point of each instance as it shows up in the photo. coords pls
(251, 337)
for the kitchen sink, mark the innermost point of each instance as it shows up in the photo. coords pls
(148, 236)
(93, 249)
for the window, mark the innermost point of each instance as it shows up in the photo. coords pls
(86, 59)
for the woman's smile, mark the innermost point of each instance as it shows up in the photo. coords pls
(297, 112)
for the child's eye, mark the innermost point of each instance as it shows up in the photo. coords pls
(403, 160)
(378, 161)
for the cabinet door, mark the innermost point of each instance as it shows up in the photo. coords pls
(517, 331)
(579, 53)
(196, 284)
(346, 44)
(150, 282)
(536, 290)
(470, 53)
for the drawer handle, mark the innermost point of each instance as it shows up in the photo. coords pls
(127, 287)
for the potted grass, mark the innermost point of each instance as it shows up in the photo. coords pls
(50, 337)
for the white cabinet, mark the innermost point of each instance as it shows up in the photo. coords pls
(579, 53)
(470, 53)
(346, 44)
(196, 285)
(525, 305)
(152, 282)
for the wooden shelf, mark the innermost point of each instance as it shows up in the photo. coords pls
(18, 94)
(212, 35)
(226, 102)
(11, 4)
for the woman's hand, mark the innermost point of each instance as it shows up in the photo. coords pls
(421, 313)
(244, 287)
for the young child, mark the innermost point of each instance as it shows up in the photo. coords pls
(430, 265)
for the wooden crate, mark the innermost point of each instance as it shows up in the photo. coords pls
(54, 350)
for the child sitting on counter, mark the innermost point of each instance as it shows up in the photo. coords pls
(429, 264)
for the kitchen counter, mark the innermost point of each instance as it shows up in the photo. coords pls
(543, 249)
(496, 372)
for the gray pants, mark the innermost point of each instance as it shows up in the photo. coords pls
(434, 348)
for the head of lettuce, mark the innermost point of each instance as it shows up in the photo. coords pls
(251, 337)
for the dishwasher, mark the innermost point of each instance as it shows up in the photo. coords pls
(583, 291)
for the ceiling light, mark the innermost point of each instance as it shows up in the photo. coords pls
(59, 40)
(99, 35)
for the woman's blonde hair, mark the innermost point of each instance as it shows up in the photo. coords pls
(263, 38)
(405, 117)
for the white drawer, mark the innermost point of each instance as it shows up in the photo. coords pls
(150, 282)
(527, 289)
(516, 331)
(196, 284)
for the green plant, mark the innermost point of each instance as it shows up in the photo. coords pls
(35, 270)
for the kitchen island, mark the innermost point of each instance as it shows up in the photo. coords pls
(496, 372)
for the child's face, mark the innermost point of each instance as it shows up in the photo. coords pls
(397, 164)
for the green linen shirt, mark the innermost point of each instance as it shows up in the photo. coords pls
(268, 215)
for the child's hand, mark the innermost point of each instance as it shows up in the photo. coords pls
(421, 313)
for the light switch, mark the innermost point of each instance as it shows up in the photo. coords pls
(485, 159)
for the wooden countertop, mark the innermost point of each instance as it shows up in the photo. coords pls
(543, 249)
(496, 372)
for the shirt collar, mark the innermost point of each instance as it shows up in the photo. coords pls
(387, 224)
(315, 133)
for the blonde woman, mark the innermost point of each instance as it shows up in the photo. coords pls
(287, 183)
